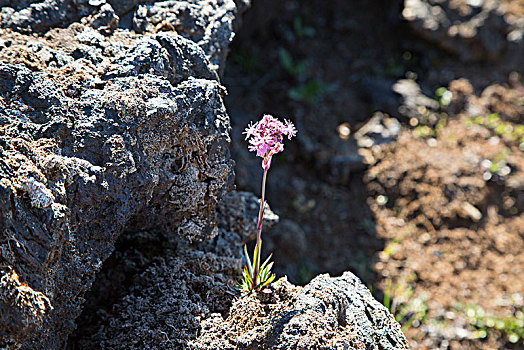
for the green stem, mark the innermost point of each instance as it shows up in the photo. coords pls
(256, 259)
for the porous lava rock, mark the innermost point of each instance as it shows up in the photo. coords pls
(328, 313)
(156, 289)
(100, 130)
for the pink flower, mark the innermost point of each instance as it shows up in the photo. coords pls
(266, 136)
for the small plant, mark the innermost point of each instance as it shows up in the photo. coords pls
(265, 137)
(306, 88)
(295, 68)
(511, 133)
(443, 96)
(481, 324)
(310, 92)
(498, 165)
(248, 60)
(302, 30)
(425, 131)
(407, 310)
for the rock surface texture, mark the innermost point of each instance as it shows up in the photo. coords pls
(328, 313)
(156, 290)
(100, 130)
(112, 127)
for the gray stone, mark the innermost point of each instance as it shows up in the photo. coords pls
(104, 19)
(39, 17)
(211, 26)
(473, 30)
(124, 6)
(328, 313)
(63, 207)
(123, 136)
(167, 55)
(174, 285)
(327, 304)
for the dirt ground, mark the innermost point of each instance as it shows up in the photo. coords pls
(408, 168)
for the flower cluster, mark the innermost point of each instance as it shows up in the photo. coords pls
(266, 136)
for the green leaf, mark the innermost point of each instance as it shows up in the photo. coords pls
(493, 120)
(263, 276)
(440, 91)
(268, 281)
(266, 261)
(267, 269)
(387, 294)
(249, 266)
(256, 260)
(259, 251)
(500, 129)
(247, 277)
(286, 61)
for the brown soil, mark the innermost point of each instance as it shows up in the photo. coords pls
(436, 243)
(39, 54)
